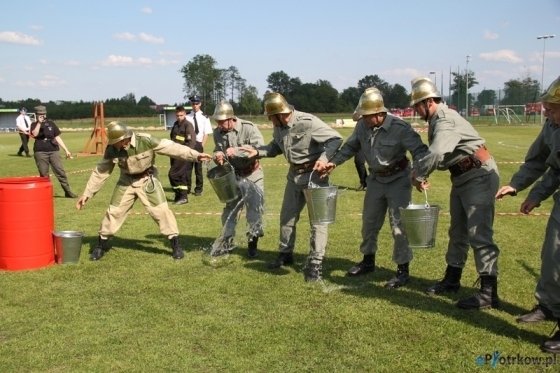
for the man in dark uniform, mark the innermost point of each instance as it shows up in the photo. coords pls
(182, 133)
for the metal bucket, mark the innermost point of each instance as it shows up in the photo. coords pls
(223, 181)
(67, 246)
(321, 204)
(420, 224)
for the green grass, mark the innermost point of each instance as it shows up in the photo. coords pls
(138, 310)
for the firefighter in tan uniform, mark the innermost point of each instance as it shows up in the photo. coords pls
(543, 156)
(308, 144)
(384, 140)
(134, 153)
(456, 146)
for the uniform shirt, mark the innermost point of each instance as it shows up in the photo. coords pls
(136, 160)
(451, 138)
(45, 139)
(536, 158)
(182, 133)
(23, 123)
(304, 139)
(243, 133)
(204, 125)
(383, 146)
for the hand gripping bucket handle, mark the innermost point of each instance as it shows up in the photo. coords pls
(420, 223)
(321, 202)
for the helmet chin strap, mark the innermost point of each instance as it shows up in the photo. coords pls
(425, 103)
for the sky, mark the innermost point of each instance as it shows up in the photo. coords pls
(75, 50)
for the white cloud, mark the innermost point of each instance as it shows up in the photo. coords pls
(125, 36)
(15, 37)
(502, 55)
(50, 81)
(118, 61)
(127, 61)
(489, 35)
(146, 10)
(146, 38)
(151, 38)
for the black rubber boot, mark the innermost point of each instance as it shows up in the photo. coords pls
(312, 272)
(100, 249)
(365, 266)
(401, 278)
(451, 282)
(177, 250)
(252, 247)
(283, 259)
(537, 314)
(552, 344)
(486, 297)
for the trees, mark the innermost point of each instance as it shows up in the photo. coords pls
(520, 92)
(203, 78)
(486, 97)
(459, 88)
(249, 102)
(281, 82)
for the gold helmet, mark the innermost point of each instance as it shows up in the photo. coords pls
(117, 131)
(275, 103)
(423, 88)
(552, 94)
(371, 102)
(223, 111)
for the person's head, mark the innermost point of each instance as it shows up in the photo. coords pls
(224, 116)
(118, 134)
(41, 112)
(425, 97)
(180, 113)
(371, 108)
(277, 109)
(551, 101)
(195, 102)
(23, 110)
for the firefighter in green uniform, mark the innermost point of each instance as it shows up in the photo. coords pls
(543, 156)
(308, 144)
(384, 141)
(134, 153)
(230, 134)
(456, 146)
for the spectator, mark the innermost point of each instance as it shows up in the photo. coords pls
(46, 149)
(202, 129)
(23, 123)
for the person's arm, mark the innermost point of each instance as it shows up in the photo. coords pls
(35, 128)
(63, 146)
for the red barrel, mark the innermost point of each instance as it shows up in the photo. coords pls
(26, 223)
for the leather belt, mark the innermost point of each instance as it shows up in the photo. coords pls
(394, 169)
(475, 160)
(302, 168)
(147, 172)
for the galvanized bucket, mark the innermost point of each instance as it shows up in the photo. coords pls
(321, 203)
(67, 246)
(420, 224)
(223, 181)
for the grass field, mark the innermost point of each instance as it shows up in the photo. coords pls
(138, 310)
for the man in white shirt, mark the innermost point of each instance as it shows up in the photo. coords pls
(202, 129)
(23, 122)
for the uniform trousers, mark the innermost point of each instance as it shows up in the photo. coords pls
(149, 191)
(383, 199)
(472, 207)
(292, 205)
(45, 160)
